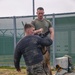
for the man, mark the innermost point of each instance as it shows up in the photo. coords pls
(30, 47)
(44, 25)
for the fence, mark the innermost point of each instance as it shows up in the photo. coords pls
(11, 30)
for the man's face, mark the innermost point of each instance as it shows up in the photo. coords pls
(40, 14)
(31, 30)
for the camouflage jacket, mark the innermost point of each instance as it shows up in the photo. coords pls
(29, 47)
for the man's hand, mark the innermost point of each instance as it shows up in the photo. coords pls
(38, 31)
(41, 30)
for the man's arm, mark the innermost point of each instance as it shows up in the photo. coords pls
(46, 41)
(17, 56)
(51, 29)
(51, 33)
(39, 31)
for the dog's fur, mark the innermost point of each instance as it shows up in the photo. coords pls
(46, 56)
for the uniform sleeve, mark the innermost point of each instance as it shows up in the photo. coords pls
(45, 41)
(33, 23)
(17, 57)
(50, 24)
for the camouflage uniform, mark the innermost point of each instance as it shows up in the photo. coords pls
(37, 69)
(29, 47)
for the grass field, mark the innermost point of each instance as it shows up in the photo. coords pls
(12, 71)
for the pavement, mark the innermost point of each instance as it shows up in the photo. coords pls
(70, 73)
(65, 74)
(61, 73)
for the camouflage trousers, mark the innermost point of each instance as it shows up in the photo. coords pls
(37, 69)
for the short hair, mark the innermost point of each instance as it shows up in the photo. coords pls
(40, 8)
(26, 26)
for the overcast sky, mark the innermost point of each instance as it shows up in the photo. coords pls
(25, 7)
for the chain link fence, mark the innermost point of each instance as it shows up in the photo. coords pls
(11, 31)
